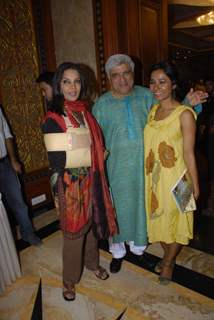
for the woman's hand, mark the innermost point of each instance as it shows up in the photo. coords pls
(56, 202)
(196, 192)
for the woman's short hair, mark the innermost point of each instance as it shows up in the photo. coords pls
(168, 68)
(116, 60)
(58, 98)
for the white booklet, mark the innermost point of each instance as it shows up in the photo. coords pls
(183, 194)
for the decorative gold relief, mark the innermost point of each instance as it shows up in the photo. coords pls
(100, 47)
(20, 94)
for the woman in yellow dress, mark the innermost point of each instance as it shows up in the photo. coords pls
(169, 150)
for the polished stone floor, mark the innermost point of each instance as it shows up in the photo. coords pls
(134, 293)
(194, 265)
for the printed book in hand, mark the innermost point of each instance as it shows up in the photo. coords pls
(183, 194)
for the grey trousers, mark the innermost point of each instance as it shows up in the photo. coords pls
(78, 253)
(11, 190)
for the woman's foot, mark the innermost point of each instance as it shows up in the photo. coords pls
(166, 272)
(69, 293)
(101, 273)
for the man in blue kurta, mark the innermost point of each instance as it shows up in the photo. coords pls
(122, 114)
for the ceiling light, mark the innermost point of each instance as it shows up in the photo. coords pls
(206, 19)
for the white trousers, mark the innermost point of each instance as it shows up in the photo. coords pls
(118, 250)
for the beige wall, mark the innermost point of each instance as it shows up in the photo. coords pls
(74, 31)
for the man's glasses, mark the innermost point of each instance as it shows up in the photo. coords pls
(125, 74)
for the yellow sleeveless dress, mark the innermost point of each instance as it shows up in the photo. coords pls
(164, 165)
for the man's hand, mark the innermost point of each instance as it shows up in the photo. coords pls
(16, 165)
(12, 155)
(106, 153)
(196, 97)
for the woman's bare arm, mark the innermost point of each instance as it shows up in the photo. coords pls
(188, 128)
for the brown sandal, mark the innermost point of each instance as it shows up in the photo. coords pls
(69, 293)
(101, 273)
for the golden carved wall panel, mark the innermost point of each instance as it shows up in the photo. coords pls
(21, 98)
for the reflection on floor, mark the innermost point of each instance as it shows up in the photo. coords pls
(134, 289)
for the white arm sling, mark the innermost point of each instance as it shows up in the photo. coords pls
(76, 142)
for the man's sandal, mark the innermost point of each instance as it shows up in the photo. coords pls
(101, 273)
(69, 293)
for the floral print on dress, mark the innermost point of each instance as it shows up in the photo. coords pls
(166, 159)
(154, 204)
(150, 161)
(166, 155)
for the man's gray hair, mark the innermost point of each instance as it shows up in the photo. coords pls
(116, 60)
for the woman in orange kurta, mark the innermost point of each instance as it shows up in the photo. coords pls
(81, 192)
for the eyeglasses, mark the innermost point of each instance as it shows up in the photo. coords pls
(125, 74)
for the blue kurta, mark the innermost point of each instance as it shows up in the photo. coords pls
(122, 121)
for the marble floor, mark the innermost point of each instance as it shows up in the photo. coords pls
(133, 290)
(190, 258)
(133, 293)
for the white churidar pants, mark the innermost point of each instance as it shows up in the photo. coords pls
(118, 250)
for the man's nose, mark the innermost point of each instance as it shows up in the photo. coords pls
(122, 76)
